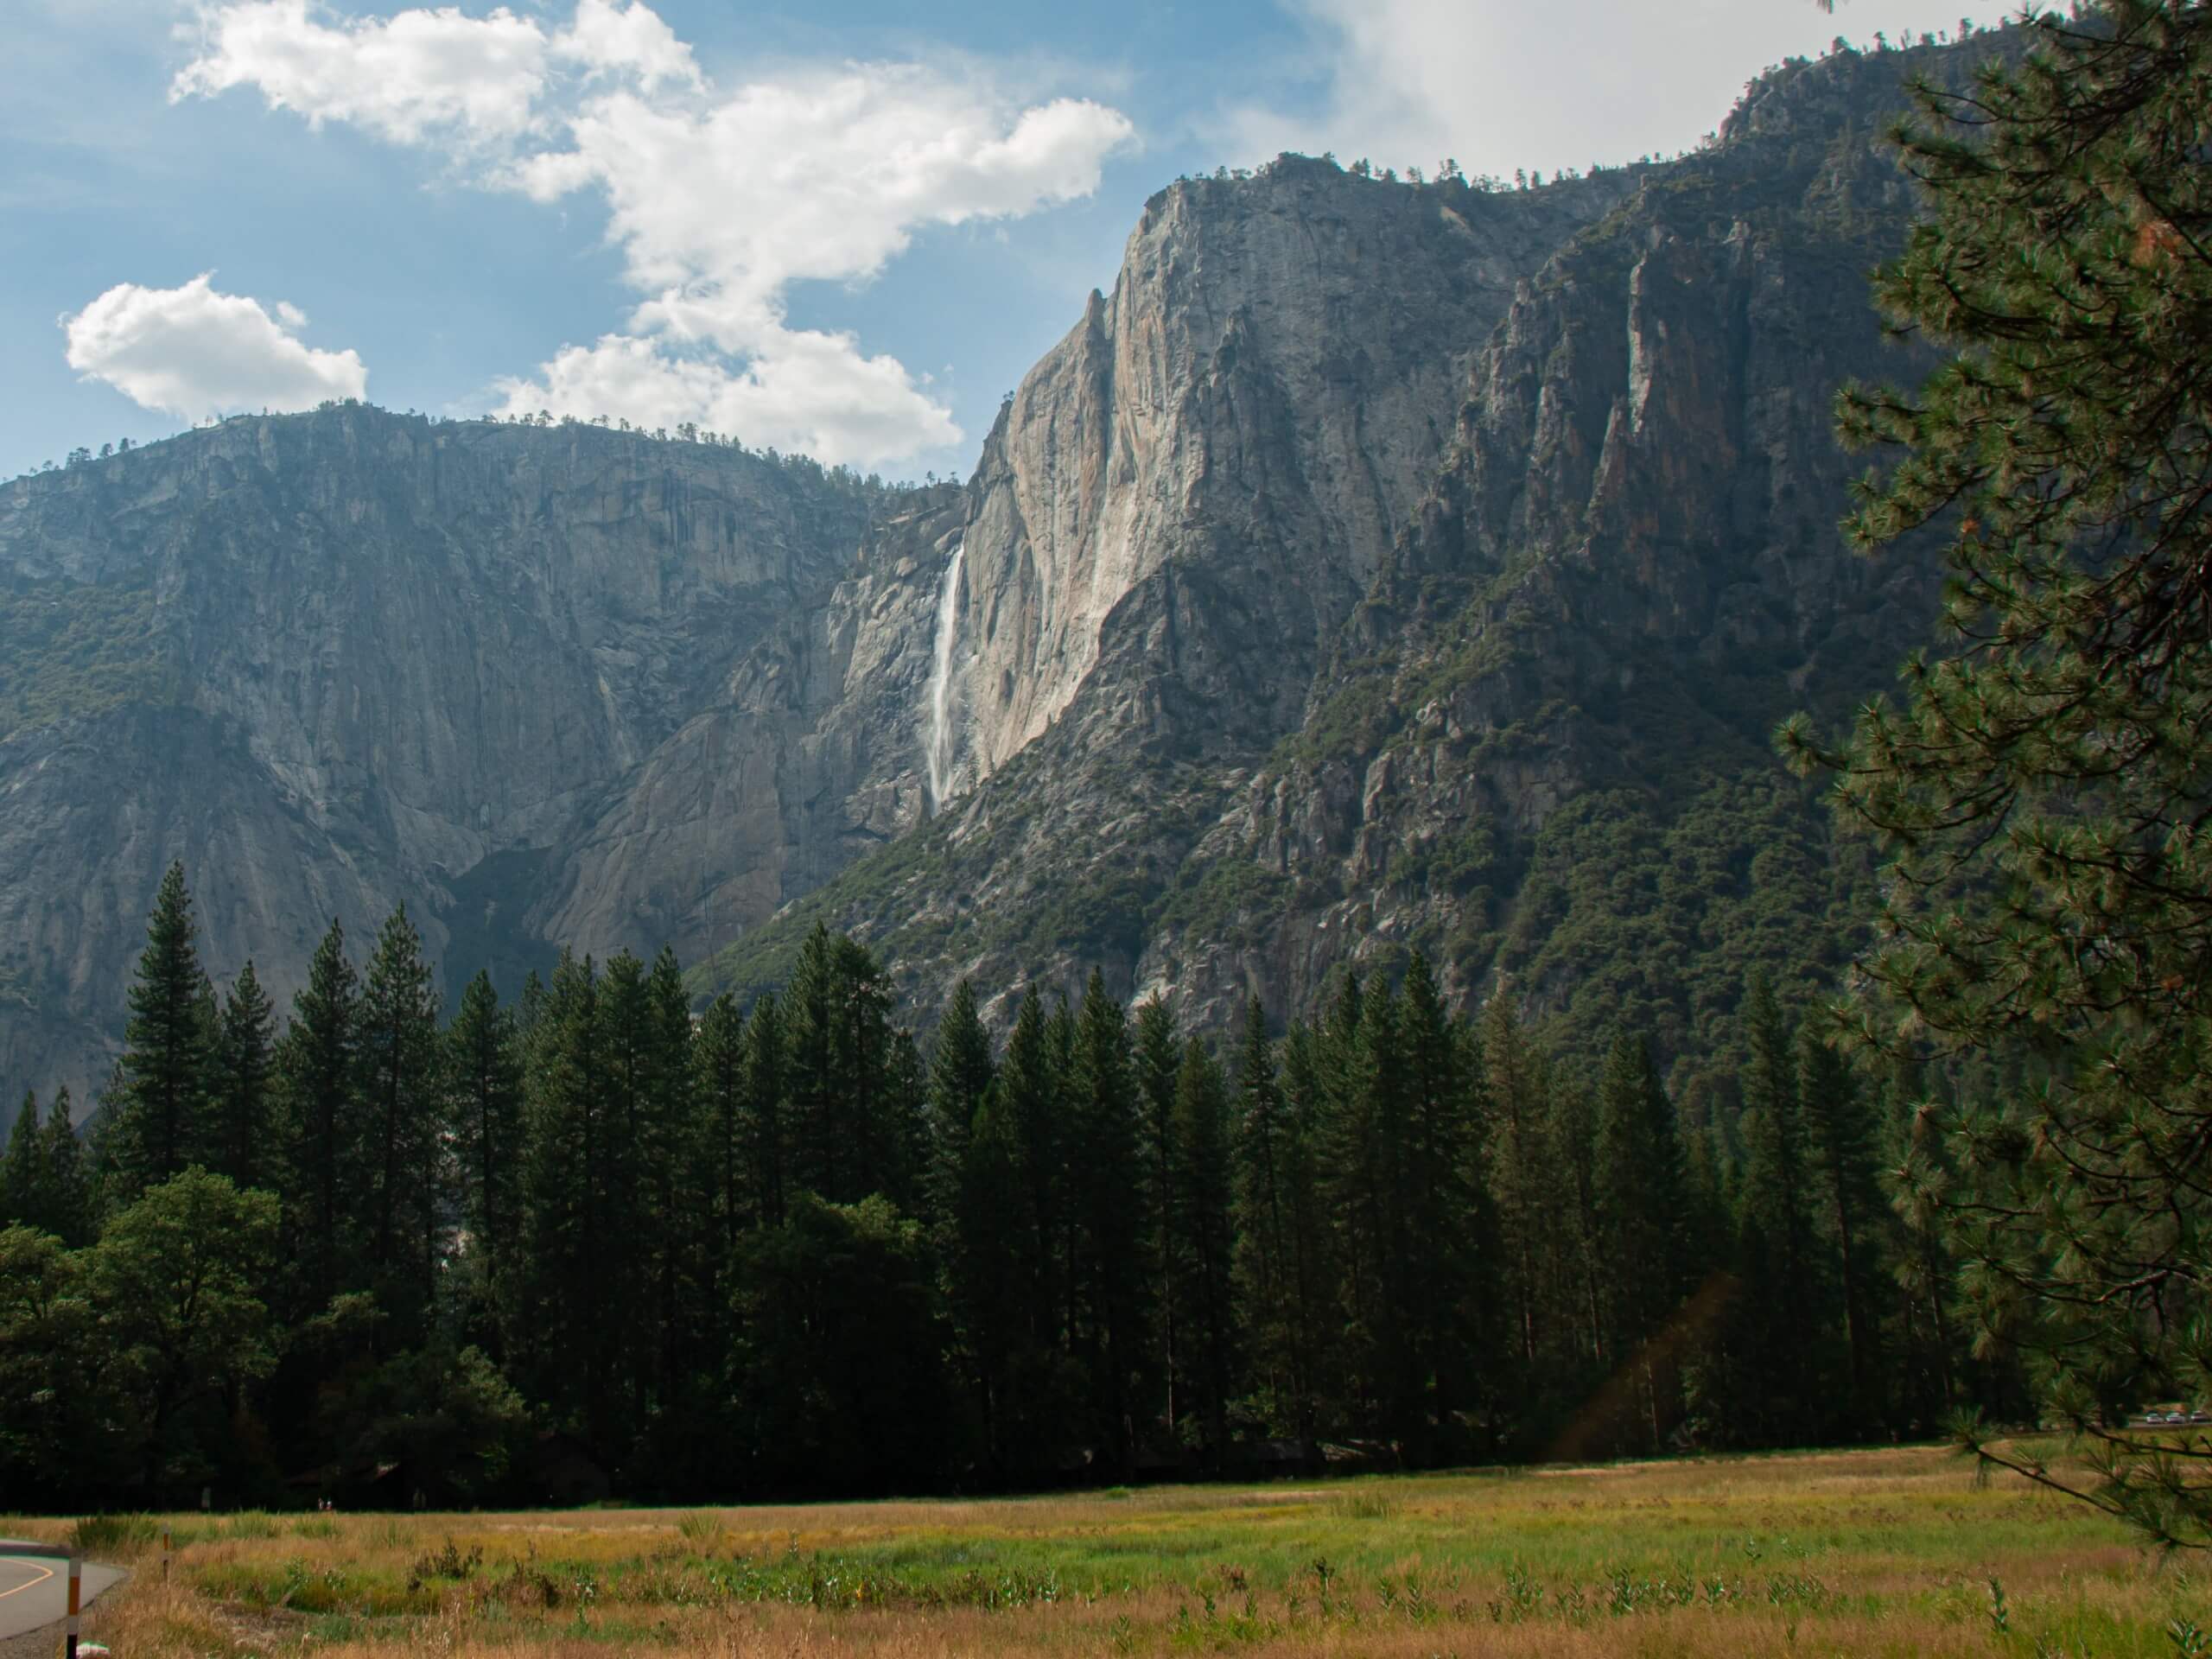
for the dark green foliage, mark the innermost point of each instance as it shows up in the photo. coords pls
(593, 1215)
(42, 1179)
(1111, 1269)
(961, 1069)
(242, 1086)
(324, 1135)
(725, 1124)
(160, 1101)
(560, 1337)
(1155, 1065)
(1645, 1236)
(58, 1407)
(1203, 1266)
(1780, 1274)
(445, 1421)
(766, 1138)
(22, 1171)
(483, 1073)
(1270, 1159)
(2041, 786)
(838, 1373)
(176, 1275)
(405, 1122)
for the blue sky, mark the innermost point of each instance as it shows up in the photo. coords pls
(846, 227)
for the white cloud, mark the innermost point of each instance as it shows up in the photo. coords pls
(191, 352)
(825, 175)
(607, 39)
(800, 390)
(1497, 85)
(420, 71)
(719, 199)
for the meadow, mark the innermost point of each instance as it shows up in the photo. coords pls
(1886, 1552)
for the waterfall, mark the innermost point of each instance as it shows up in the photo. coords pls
(938, 748)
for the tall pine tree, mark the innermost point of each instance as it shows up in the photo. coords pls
(160, 1113)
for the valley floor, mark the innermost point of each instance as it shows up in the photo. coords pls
(1885, 1552)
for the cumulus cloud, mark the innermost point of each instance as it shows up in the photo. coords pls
(607, 39)
(193, 352)
(1497, 85)
(720, 206)
(719, 198)
(802, 390)
(403, 78)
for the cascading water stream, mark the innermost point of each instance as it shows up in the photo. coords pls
(938, 750)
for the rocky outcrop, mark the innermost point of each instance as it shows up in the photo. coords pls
(1258, 406)
(1536, 743)
(1381, 565)
(533, 683)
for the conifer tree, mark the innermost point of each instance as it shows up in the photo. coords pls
(1840, 1155)
(1066, 1225)
(907, 1138)
(681, 1354)
(404, 1116)
(1106, 1171)
(1030, 1096)
(989, 1274)
(160, 1113)
(1265, 1216)
(882, 1130)
(483, 1073)
(1579, 1281)
(1643, 1201)
(566, 1328)
(1206, 1290)
(1445, 1293)
(325, 1137)
(767, 1109)
(1782, 1283)
(71, 1214)
(718, 1059)
(22, 1171)
(1921, 1179)
(2056, 758)
(242, 1086)
(961, 1069)
(1359, 1191)
(1314, 1319)
(1156, 1063)
(632, 1240)
(1514, 1089)
(819, 1132)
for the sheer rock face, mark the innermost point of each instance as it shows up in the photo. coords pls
(534, 684)
(1368, 545)
(1294, 650)
(809, 756)
(1263, 401)
(1628, 569)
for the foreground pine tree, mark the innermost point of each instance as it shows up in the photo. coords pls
(242, 1086)
(2059, 752)
(160, 1107)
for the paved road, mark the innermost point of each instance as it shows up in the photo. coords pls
(36, 1593)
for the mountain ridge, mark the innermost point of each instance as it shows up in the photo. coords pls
(1315, 587)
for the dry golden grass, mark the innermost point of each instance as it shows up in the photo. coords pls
(1895, 1552)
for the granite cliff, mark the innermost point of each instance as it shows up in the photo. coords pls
(536, 684)
(1523, 722)
(1378, 565)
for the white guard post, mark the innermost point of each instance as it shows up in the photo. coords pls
(54, 1553)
